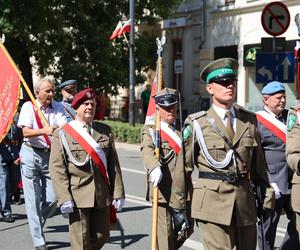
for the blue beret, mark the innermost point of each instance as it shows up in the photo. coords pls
(67, 83)
(273, 88)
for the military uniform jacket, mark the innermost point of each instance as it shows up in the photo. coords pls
(85, 185)
(274, 150)
(175, 187)
(217, 200)
(293, 155)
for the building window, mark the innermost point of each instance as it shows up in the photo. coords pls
(229, 2)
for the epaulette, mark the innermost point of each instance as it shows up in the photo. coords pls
(297, 107)
(196, 115)
(241, 108)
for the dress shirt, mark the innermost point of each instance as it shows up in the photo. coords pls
(54, 114)
(222, 114)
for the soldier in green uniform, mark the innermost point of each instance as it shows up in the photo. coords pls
(85, 183)
(169, 174)
(293, 158)
(223, 143)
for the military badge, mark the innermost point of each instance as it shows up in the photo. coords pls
(291, 121)
(186, 132)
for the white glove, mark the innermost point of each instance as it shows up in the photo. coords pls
(67, 207)
(119, 204)
(156, 176)
(276, 190)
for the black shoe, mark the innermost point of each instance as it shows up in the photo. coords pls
(18, 202)
(8, 218)
(42, 247)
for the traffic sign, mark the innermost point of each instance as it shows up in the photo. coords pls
(178, 66)
(275, 67)
(275, 18)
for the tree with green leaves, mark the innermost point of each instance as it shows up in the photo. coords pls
(69, 39)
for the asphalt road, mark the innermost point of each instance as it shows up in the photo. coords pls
(134, 222)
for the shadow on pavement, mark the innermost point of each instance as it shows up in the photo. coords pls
(57, 244)
(19, 216)
(57, 229)
(126, 240)
(129, 209)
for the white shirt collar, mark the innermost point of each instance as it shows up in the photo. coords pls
(222, 112)
(269, 111)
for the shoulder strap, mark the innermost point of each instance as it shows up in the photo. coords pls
(40, 125)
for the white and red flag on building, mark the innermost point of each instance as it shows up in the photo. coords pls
(120, 29)
(9, 91)
(167, 134)
(115, 34)
(125, 28)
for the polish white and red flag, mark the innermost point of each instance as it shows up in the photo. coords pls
(125, 28)
(120, 29)
(150, 116)
(167, 134)
(296, 49)
(115, 34)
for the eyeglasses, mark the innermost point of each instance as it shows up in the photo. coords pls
(226, 83)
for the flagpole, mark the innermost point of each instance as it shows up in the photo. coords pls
(126, 40)
(24, 84)
(160, 43)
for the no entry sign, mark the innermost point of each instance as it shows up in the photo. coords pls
(275, 18)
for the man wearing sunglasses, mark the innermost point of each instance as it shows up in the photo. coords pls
(168, 173)
(223, 143)
(68, 90)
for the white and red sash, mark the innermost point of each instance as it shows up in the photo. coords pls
(277, 127)
(40, 124)
(167, 134)
(87, 142)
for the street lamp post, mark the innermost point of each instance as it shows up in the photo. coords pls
(131, 66)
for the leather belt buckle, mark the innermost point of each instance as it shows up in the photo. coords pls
(231, 178)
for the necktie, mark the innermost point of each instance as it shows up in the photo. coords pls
(229, 127)
(88, 128)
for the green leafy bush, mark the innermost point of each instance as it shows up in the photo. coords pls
(124, 132)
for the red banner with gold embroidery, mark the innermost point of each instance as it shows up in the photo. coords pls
(9, 92)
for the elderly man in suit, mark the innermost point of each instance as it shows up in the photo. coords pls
(272, 129)
(223, 143)
(169, 174)
(86, 174)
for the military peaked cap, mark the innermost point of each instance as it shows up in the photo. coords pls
(67, 83)
(273, 88)
(166, 97)
(219, 70)
(82, 96)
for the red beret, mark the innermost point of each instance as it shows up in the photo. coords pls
(82, 96)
